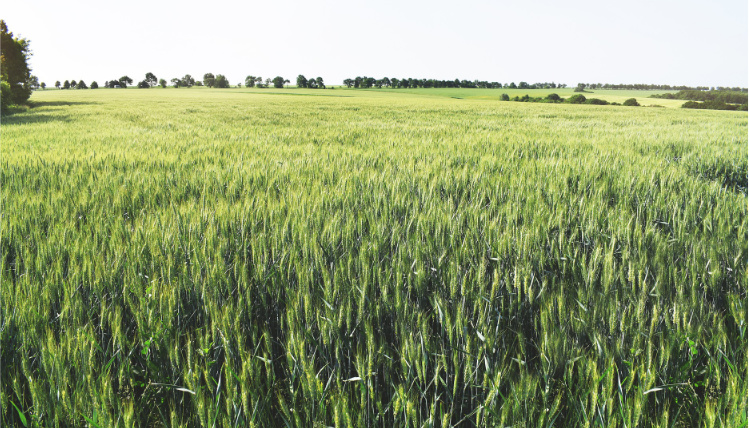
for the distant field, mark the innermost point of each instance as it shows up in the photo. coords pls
(245, 257)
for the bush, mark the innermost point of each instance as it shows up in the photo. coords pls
(143, 85)
(5, 96)
(631, 103)
(504, 97)
(596, 101)
(554, 97)
(94, 85)
(576, 99)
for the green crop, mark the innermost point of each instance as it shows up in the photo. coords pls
(360, 258)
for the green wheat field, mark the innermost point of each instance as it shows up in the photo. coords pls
(355, 258)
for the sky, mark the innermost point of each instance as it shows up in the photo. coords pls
(676, 42)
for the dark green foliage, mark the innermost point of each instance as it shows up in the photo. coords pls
(504, 97)
(279, 81)
(143, 85)
(577, 99)
(596, 101)
(726, 97)
(209, 80)
(5, 96)
(94, 85)
(162, 83)
(221, 81)
(81, 85)
(14, 68)
(713, 105)
(150, 79)
(301, 81)
(631, 102)
(66, 85)
(554, 98)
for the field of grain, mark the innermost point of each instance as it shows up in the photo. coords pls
(307, 258)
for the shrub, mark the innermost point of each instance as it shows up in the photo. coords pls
(631, 103)
(554, 97)
(94, 85)
(5, 96)
(504, 97)
(143, 85)
(576, 99)
(596, 101)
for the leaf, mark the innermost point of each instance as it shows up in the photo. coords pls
(481, 336)
(652, 390)
(185, 390)
(20, 415)
(353, 379)
(90, 421)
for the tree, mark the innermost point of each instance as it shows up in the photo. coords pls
(124, 81)
(188, 81)
(66, 85)
(144, 84)
(44, 86)
(177, 82)
(73, 84)
(209, 80)
(81, 85)
(57, 84)
(504, 97)
(94, 85)
(221, 81)
(320, 83)
(301, 81)
(631, 102)
(279, 81)
(150, 79)
(249, 81)
(162, 83)
(14, 68)
(349, 82)
(33, 82)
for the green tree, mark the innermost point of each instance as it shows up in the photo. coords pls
(44, 86)
(301, 81)
(221, 81)
(504, 97)
(279, 81)
(162, 83)
(124, 81)
(631, 102)
(151, 79)
(249, 81)
(81, 85)
(209, 80)
(73, 84)
(57, 84)
(14, 68)
(320, 83)
(348, 82)
(188, 81)
(66, 85)
(94, 85)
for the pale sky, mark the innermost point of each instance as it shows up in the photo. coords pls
(677, 42)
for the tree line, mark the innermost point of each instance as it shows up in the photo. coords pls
(386, 82)
(724, 96)
(651, 87)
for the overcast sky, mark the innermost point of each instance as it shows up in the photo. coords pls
(678, 42)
